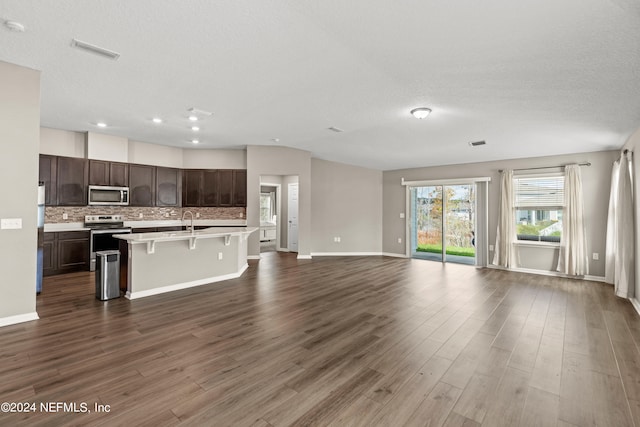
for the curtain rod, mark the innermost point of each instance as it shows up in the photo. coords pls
(546, 167)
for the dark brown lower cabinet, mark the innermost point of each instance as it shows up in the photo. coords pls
(65, 252)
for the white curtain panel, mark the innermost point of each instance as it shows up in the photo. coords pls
(619, 258)
(574, 259)
(504, 255)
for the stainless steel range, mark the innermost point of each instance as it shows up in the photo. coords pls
(103, 227)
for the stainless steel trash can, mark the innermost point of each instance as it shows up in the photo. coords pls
(107, 275)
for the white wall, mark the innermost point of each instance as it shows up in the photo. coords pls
(214, 159)
(107, 147)
(154, 154)
(19, 139)
(596, 183)
(346, 202)
(65, 143)
(633, 144)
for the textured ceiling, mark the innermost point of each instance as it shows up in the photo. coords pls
(531, 77)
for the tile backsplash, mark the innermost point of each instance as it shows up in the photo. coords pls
(56, 214)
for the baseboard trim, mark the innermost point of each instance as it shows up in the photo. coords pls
(346, 254)
(394, 255)
(636, 304)
(20, 318)
(185, 285)
(547, 273)
(253, 256)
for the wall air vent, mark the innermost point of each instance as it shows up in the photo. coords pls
(335, 129)
(477, 143)
(88, 47)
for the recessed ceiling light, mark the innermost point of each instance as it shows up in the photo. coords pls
(195, 141)
(275, 139)
(157, 120)
(193, 118)
(421, 112)
(101, 125)
(195, 128)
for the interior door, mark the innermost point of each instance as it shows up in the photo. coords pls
(292, 204)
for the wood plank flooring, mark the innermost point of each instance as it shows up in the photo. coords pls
(358, 341)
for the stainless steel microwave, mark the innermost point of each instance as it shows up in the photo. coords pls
(109, 196)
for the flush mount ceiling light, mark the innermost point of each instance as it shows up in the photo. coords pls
(195, 128)
(193, 118)
(157, 120)
(421, 112)
(195, 141)
(101, 125)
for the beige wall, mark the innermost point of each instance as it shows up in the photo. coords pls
(268, 160)
(633, 144)
(596, 183)
(19, 138)
(214, 159)
(346, 202)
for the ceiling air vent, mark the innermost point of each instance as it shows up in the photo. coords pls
(199, 112)
(335, 129)
(88, 47)
(477, 143)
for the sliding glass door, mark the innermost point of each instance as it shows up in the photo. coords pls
(443, 223)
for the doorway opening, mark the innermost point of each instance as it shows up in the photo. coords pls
(278, 213)
(443, 223)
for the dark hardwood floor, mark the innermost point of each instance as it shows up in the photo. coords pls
(359, 341)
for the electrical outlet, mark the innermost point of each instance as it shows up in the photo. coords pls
(336, 239)
(65, 215)
(166, 214)
(596, 256)
(197, 214)
(399, 239)
(401, 215)
(490, 247)
(140, 215)
(219, 255)
(241, 214)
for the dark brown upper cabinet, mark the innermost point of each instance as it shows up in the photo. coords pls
(98, 172)
(108, 173)
(240, 188)
(210, 188)
(168, 186)
(225, 182)
(72, 180)
(119, 174)
(47, 175)
(141, 185)
(191, 187)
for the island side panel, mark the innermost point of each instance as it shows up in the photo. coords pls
(173, 265)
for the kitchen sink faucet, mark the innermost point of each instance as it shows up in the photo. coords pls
(189, 228)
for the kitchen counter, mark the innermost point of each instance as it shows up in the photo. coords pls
(79, 226)
(159, 262)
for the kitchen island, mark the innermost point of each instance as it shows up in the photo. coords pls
(155, 263)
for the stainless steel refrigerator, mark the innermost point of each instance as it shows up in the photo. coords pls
(40, 237)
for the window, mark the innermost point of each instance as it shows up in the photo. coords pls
(267, 207)
(538, 206)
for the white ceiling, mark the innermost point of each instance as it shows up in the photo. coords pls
(531, 77)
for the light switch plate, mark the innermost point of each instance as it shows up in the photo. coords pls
(402, 215)
(11, 223)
